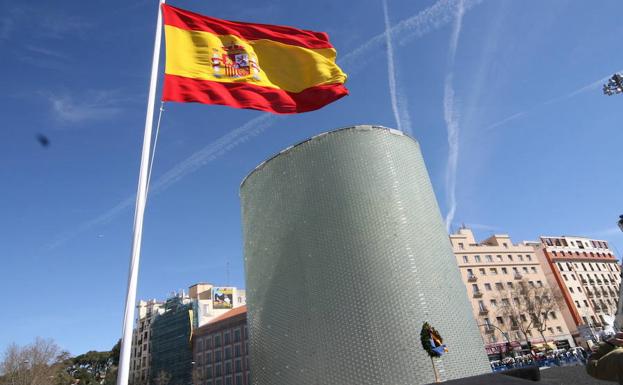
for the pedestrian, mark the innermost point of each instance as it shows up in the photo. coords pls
(606, 362)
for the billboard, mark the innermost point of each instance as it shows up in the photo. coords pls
(223, 297)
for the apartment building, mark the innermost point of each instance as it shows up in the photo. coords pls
(140, 357)
(491, 271)
(589, 277)
(221, 350)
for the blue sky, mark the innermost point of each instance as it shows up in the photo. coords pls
(504, 97)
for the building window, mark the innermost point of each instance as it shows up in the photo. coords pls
(487, 286)
(577, 304)
(237, 350)
(571, 290)
(227, 352)
(238, 365)
(493, 271)
(477, 258)
(237, 334)
(482, 271)
(499, 258)
(529, 258)
(218, 355)
(504, 270)
(461, 246)
(465, 259)
(227, 335)
(238, 379)
(520, 257)
(217, 341)
(499, 286)
(488, 258)
(509, 284)
(494, 303)
(228, 367)
(510, 258)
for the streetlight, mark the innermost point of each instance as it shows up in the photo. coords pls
(614, 86)
(505, 334)
(621, 222)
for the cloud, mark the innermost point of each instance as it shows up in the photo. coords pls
(451, 118)
(58, 25)
(93, 106)
(46, 52)
(417, 26)
(398, 99)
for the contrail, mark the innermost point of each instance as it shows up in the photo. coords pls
(197, 160)
(452, 119)
(398, 100)
(588, 87)
(428, 20)
(416, 26)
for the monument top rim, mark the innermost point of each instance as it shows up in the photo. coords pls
(360, 127)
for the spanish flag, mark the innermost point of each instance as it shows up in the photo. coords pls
(271, 68)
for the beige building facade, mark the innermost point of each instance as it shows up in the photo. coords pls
(492, 270)
(589, 277)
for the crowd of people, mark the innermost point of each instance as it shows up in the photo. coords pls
(558, 357)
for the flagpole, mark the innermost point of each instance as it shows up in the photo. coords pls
(139, 212)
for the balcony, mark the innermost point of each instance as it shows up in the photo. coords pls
(477, 294)
(600, 282)
(517, 275)
(583, 282)
(597, 294)
(472, 278)
(483, 311)
(589, 294)
(591, 281)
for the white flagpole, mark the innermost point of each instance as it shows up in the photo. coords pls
(141, 199)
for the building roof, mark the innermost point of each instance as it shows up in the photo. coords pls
(232, 313)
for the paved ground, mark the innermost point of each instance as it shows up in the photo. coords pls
(567, 375)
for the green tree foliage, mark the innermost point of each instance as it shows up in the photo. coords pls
(44, 363)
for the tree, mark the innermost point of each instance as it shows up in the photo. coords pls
(33, 364)
(527, 306)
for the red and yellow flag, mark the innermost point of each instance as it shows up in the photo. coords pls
(272, 68)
